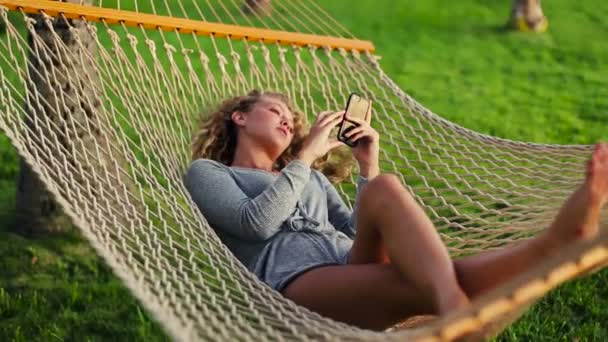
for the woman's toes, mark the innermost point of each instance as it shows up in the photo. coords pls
(597, 174)
(603, 153)
(599, 160)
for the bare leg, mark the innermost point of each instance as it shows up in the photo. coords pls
(422, 277)
(373, 295)
(370, 296)
(388, 213)
(577, 219)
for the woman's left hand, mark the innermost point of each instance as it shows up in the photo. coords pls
(367, 150)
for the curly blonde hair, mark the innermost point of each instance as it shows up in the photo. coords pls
(216, 137)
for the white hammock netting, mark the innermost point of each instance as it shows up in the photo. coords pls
(104, 115)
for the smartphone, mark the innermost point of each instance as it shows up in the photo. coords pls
(357, 107)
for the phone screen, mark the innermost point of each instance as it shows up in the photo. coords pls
(356, 107)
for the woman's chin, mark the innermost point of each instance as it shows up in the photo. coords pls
(282, 140)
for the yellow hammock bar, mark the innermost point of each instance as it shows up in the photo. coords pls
(150, 21)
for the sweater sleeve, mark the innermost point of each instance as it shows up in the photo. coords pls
(227, 207)
(342, 218)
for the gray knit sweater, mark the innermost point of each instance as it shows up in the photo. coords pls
(277, 225)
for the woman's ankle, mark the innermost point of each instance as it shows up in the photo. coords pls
(451, 300)
(547, 243)
(446, 294)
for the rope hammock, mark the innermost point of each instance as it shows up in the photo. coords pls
(102, 104)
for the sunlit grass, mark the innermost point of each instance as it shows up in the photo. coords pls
(454, 58)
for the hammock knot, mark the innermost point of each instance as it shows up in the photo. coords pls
(236, 58)
(30, 22)
(169, 47)
(221, 58)
(151, 45)
(132, 40)
(114, 38)
(204, 58)
(250, 47)
(92, 30)
(266, 54)
(297, 52)
(250, 56)
(314, 56)
(223, 61)
(282, 52)
(75, 34)
(373, 58)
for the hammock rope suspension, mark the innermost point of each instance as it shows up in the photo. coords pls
(102, 104)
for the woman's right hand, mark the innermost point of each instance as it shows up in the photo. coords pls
(318, 143)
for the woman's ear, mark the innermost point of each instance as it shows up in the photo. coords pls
(238, 118)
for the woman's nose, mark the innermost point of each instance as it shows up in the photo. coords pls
(285, 123)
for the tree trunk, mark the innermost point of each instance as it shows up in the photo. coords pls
(37, 213)
(527, 15)
(259, 7)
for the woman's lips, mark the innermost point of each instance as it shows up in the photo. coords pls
(284, 131)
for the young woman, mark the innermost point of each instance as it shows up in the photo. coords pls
(255, 179)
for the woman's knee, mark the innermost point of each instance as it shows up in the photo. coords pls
(385, 187)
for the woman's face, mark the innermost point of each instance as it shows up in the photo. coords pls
(270, 122)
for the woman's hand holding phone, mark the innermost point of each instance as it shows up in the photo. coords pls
(367, 149)
(317, 143)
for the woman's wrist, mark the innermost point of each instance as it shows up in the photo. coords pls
(369, 171)
(306, 158)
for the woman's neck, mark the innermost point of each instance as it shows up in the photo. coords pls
(251, 156)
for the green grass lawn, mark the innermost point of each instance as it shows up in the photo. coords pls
(454, 58)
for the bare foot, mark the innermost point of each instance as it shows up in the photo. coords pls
(579, 216)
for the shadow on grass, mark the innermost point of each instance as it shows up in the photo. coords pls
(57, 288)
